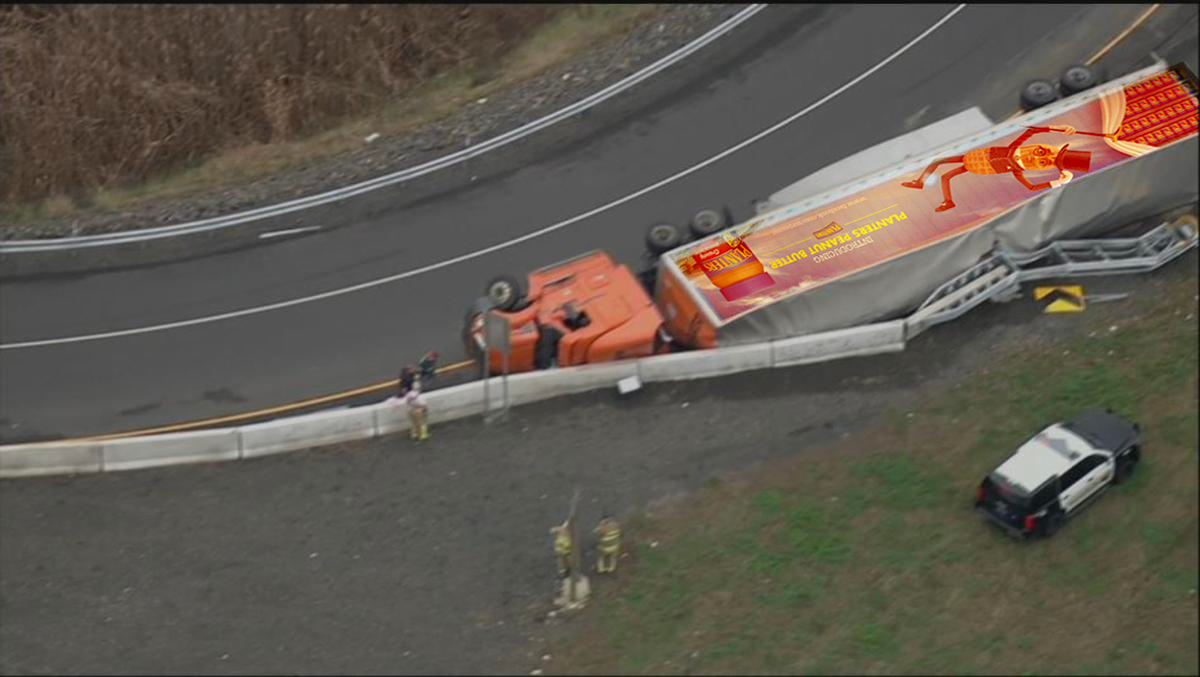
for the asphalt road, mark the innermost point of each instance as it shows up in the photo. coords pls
(777, 64)
(384, 557)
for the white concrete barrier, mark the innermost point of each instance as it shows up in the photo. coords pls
(541, 385)
(391, 417)
(311, 430)
(446, 404)
(459, 401)
(171, 449)
(705, 363)
(50, 458)
(832, 345)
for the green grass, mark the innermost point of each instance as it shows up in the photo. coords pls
(868, 559)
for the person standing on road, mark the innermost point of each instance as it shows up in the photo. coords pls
(427, 367)
(609, 533)
(418, 412)
(407, 375)
(562, 549)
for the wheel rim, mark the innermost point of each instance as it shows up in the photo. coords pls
(661, 234)
(1040, 90)
(708, 221)
(1076, 76)
(500, 292)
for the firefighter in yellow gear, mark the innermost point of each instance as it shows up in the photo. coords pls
(609, 533)
(562, 549)
(418, 412)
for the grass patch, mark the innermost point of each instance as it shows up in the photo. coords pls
(575, 30)
(868, 559)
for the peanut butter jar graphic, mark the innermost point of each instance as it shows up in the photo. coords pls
(733, 268)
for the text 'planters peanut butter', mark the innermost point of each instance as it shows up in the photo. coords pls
(733, 268)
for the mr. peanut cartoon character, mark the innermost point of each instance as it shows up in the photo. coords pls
(1014, 158)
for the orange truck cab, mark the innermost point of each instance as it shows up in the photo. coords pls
(583, 310)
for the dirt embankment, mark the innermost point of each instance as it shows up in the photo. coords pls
(97, 95)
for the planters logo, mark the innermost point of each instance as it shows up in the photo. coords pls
(832, 228)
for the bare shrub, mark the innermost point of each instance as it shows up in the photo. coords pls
(99, 95)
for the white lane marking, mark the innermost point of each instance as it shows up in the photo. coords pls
(216, 222)
(502, 245)
(290, 231)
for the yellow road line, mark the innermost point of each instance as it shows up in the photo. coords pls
(1091, 61)
(811, 237)
(176, 427)
(1123, 34)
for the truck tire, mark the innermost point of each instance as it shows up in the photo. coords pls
(1077, 78)
(506, 292)
(662, 237)
(708, 222)
(545, 353)
(1037, 93)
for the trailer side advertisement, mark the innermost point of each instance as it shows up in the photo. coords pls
(761, 262)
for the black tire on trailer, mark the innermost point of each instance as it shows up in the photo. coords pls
(1037, 93)
(708, 222)
(506, 292)
(662, 237)
(1077, 78)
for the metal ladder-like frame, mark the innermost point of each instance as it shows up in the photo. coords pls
(998, 278)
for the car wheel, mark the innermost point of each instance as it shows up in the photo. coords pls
(1125, 468)
(1038, 93)
(506, 292)
(708, 222)
(1077, 78)
(1053, 522)
(662, 237)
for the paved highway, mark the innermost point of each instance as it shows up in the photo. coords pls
(381, 557)
(780, 63)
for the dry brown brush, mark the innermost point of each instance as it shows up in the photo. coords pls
(102, 95)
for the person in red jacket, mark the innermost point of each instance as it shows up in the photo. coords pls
(1014, 158)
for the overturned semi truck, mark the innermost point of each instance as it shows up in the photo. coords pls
(869, 237)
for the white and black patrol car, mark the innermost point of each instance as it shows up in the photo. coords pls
(1058, 472)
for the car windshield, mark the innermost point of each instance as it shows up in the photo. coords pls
(1088, 436)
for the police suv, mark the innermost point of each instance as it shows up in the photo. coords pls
(1058, 472)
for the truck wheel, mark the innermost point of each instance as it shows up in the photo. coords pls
(506, 292)
(1037, 93)
(708, 222)
(662, 237)
(1077, 78)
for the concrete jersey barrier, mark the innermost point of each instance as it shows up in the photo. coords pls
(447, 404)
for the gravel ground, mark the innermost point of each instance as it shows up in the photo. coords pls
(386, 557)
(550, 91)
